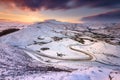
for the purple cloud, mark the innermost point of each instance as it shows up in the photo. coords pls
(60, 4)
(109, 16)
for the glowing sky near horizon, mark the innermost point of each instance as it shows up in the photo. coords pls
(75, 11)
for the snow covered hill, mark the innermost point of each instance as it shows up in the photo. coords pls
(6, 25)
(91, 53)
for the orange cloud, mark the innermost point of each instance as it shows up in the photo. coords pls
(21, 18)
(31, 17)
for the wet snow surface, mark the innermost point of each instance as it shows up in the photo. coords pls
(61, 51)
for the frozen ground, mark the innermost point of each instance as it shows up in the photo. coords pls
(53, 50)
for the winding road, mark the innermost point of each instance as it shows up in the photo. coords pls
(38, 55)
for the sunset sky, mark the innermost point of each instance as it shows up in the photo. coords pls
(75, 11)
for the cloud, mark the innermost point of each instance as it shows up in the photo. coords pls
(112, 16)
(35, 4)
(59, 4)
(99, 3)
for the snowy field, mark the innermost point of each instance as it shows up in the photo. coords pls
(72, 51)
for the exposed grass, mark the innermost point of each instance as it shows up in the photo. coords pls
(118, 43)
(78, 39)
(45, 48)
(57, 38)
(8, 31)
(41, 43)
(40, 38)
(60, 54)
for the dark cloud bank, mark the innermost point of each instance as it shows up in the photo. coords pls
(113, 16)
(61, 4)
